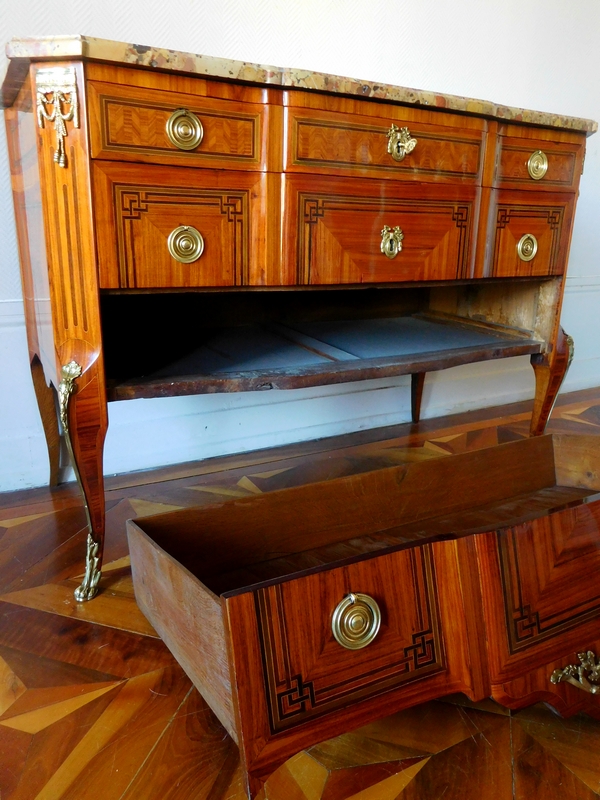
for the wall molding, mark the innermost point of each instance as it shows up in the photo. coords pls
(588, 283)
(12, 314)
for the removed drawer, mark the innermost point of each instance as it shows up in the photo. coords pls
(304, 612)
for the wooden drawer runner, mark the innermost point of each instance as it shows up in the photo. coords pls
(130, 124)
(138, 208)
(308, 673)
(563, 164)
(523, 222)
(354, 145)
(541, 589)
(333, 231)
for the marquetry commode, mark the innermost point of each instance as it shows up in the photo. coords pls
(189, 225)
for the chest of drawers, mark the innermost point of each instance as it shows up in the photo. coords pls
(302, 613)
(192, 225)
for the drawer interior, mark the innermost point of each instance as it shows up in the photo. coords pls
(242, 543)
(177, 343)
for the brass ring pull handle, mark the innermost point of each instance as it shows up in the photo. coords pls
(391, 241)
(184, 129)
(185, 244)
(575, 674)
(356, 620)
(527, 247)
(400, 143)
(537, 165)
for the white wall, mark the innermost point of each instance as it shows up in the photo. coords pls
(541, 54)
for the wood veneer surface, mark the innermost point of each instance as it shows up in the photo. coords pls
(92, 698)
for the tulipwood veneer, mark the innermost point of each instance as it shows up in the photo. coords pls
(473, 561)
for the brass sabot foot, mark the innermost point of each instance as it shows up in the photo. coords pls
(89, 585)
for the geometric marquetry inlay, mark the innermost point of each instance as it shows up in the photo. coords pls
(541, 565)
(308, 674)
(513, 221)
(340, 238)
(145, 215)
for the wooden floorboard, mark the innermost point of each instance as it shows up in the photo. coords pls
(93, 705)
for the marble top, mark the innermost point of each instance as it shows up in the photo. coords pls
(210, 66)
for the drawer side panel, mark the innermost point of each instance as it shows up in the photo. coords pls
(187, 617)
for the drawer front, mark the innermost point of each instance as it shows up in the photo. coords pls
(541, 589)
(334, 230)
(531, 233)
(353, 145)
(307, 673)
(538, 165)
(132, 124)
(142, 214)
(567, 697)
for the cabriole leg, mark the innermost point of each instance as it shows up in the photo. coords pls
(550, 371)
(84, 423)
(417, 382)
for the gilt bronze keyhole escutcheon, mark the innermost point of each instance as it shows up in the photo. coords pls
(400, 143)
(391, 241)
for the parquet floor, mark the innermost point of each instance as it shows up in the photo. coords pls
(92, 705)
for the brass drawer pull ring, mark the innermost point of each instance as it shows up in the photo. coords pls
(400, 143)
(527, 247)
(575, 674)
(537, 165)
(185, 244)
(184, 129)
(391, 241)
(356, 620)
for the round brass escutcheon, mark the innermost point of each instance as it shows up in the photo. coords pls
(537, 165)
(184, 129)
(356, 620)
(185, 244)
(527, 247)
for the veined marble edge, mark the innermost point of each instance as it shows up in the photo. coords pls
(77, 46)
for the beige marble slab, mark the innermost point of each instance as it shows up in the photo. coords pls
(210, 66)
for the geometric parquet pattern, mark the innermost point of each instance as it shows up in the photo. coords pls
(92, 704)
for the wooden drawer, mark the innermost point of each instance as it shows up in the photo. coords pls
(139, 208)
(333, 231)
(522, 223)
(249, 594)
(129, 123)
(357, 145)
(538, 164)
(543, 578)
(536, 684)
